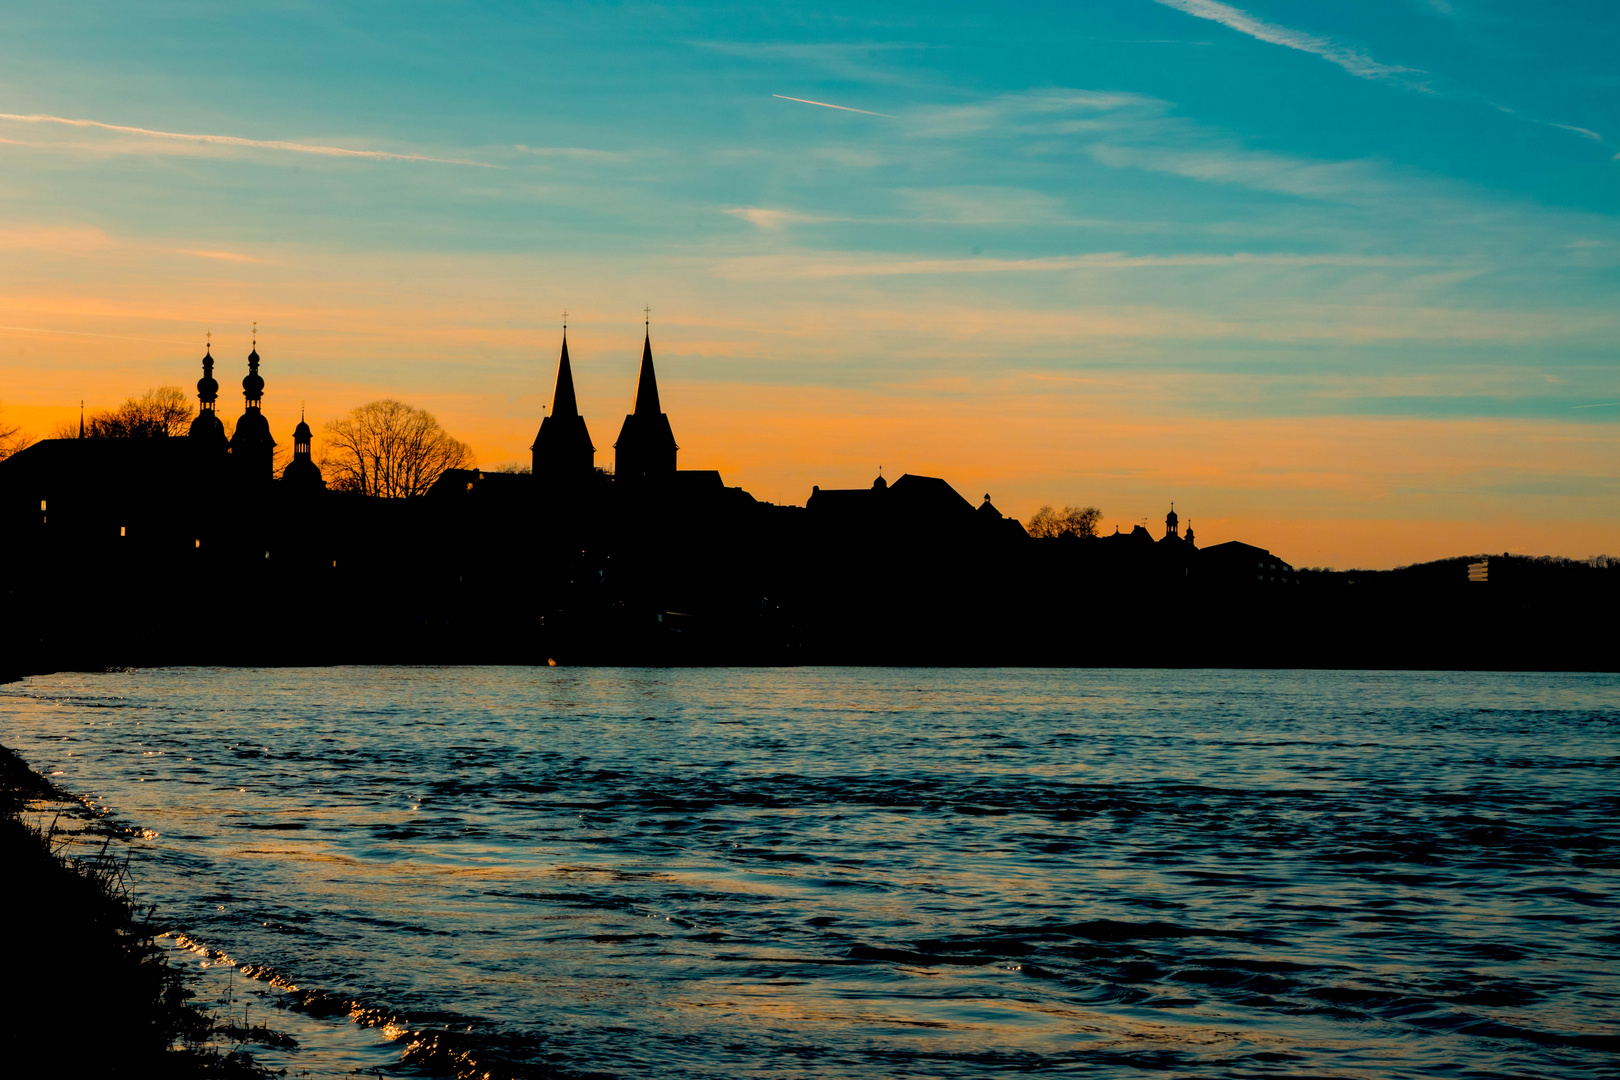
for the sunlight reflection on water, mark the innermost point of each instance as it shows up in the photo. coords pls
(873, 872)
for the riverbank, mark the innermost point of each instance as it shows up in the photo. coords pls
(91, 994)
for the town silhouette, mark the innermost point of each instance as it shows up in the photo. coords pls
(142, 548)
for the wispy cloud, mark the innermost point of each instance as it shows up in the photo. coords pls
(233, 140)
(87, 333)
(771, 219)
(1584, 132)
(222, 256)
(855, 62)
(755, 267)
(1350, 59)
(570, 152)
(1354, 61)
(825, 105)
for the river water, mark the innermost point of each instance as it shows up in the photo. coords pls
(877, 872)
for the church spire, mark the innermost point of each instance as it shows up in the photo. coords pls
(206, 425)
(562, 450)
(302, 472)
(647, 383)
(253, 450)
(646, 445)
(563, 402)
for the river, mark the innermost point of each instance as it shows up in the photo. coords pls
(870, 872)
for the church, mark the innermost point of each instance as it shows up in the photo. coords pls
(192, 549)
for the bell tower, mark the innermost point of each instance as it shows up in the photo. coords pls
(253, 451)
(646, 448)
(302, 471)
(562, 448)
(207, 428)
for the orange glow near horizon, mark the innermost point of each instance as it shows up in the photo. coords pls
(782, 396)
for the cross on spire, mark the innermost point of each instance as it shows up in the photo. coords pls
(646, 313)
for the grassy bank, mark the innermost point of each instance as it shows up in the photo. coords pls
(90, 992)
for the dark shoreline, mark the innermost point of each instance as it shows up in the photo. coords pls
(71, 921)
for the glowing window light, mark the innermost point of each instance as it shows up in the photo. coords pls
(42, 506)
(122, 531)
(196, 543)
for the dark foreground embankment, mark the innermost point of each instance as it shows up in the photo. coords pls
(90, 993)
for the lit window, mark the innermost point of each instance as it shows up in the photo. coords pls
(196, 543)
(42, 506)
(267, 554)
(121, 531)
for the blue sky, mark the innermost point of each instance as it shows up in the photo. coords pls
(1153, 236)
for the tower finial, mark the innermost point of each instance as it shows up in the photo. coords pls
(565, 322)
(646, 320)
(81, 418)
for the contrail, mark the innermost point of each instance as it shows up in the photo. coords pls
(824, 105)
(233, 140)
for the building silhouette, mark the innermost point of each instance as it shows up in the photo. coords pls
(302, 472)
(108, 547)
(253, 450)
(562, 452)
(645, 451)
(206, 427)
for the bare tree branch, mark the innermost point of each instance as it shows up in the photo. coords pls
(391, 450)
(1070, 521)
(12, 440)
(159, 413)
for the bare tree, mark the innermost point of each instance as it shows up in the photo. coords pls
(1070, 521)
(12, 439)
(389, 449)
(157, 414)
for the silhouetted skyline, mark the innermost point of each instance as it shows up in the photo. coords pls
(1344, 276)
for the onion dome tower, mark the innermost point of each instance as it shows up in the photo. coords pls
(302, 472)
(646, 448)
(206, 428)
(253, 451)
(562, 448)
(1191, 542)
(1171, 529)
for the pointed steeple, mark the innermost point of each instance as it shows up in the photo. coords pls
(646, 447)
(562, 450)
(647, 383)
(562, 400)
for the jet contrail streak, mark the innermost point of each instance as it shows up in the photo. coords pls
(824, 105)
(233, 140)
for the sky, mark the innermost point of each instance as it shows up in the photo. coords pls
(1339, 279)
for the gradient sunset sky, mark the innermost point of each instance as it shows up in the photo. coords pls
(1337, 278)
